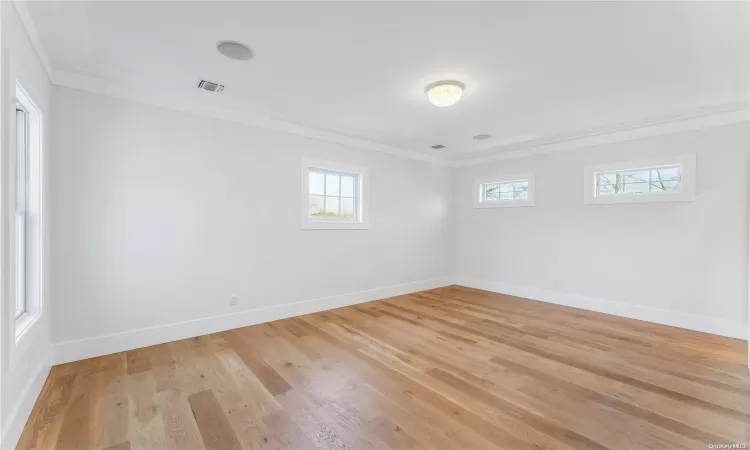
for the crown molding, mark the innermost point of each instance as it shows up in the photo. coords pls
(103, 87)
(727, 115)
(28, 24)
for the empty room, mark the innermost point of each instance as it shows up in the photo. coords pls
(239, 225)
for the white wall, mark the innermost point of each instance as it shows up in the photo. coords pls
(680, 262)
(161, 216)
(23, 367)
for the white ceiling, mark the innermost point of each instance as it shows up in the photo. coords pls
(534, 72)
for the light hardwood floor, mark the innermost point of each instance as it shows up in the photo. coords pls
(451, 368)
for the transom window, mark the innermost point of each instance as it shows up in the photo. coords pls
(333, 195)
(505, 190)
(649, 180)
(510, 190)
(663, 179)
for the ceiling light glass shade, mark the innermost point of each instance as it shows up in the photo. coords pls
(445, 93)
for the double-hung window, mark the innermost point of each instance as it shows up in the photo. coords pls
(27, 228)
(333, 195)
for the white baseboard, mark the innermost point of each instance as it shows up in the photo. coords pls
(12, 430)
(75, 350)
(694, 322)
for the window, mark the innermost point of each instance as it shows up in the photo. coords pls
(22, 179)
(333, 196)
(503, 191)
(27, 224)
(657, 180)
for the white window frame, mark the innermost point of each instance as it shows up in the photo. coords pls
(362, 216)
(27, 225)
(480, 202)
(686, 193)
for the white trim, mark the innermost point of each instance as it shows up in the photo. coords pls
(99, 86)
(731, 114)
(722, 115)
(362, 193)
(117, 342)
(686, 193)
(21, 412)
(695, 322)
(480, 203)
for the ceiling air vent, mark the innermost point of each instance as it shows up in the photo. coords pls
(438, 147)
(210, 86)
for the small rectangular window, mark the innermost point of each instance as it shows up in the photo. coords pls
(650, 180)
(657, 180)
(333, 196)
(503, 191)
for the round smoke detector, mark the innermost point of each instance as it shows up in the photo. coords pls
(482, 137)
(234, 50)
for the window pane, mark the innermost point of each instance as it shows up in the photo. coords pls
(666, 186)
(521, 190)
(506, 195)
(506, 187)
(347, 208)
(332, 184)
(492, 192)
(347, 186)
(667, 174)
(332, 206)
(635, 176)
(316, 183)
(607, 178)
(317, 206)
(606, 189)
(636, 188)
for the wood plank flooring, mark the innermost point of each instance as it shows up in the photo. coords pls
(450, 368)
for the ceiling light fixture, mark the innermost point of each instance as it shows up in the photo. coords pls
(234, 50)
(445, 93)
(482, 137)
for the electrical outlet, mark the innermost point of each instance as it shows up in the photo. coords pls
(234, 301)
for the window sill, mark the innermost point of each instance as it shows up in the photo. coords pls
(24, 324)
(321, 225)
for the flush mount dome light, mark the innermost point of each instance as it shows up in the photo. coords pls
(445, 93)
(234, 50)
(482, 137)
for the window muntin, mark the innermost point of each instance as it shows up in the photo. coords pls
(333, 195)
(505, 191)
(648, 180)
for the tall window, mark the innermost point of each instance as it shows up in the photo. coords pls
(27, 230)
(333, 195)
(22, 182)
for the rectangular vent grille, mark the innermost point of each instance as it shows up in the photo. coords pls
(210, 86)
(438, 147)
